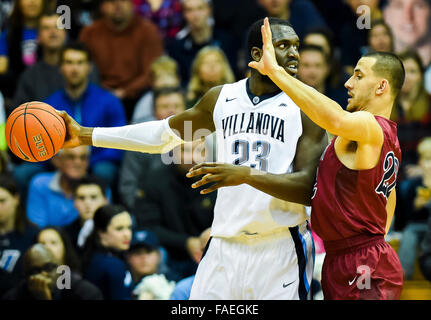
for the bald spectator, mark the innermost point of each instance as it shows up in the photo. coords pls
(123, 46)
(41, 275)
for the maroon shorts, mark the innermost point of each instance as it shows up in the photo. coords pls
(363, 267)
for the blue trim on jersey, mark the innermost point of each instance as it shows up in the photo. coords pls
(304, 247)
(302, 263)
(262, 97)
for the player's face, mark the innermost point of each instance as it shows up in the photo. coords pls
(8, 206)
(144, 261)
(168, 105)
(52, 240)
(413, 77)
(88, 199)
(362, 84)
(380, 39)
(313, 68)
(49, 35)
(410, 20)
(118, 233)
(286, 45)
(196, 13)
(75, 68)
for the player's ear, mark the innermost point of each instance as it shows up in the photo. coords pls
(256, 53)
(383, 86)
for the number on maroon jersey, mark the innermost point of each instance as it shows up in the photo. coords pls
(389, 179)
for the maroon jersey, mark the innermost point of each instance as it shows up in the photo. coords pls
(348, 202)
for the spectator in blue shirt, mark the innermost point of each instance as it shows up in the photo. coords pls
(50, 199)
(90, 105)
(104, 261)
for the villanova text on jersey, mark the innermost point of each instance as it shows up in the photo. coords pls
(254, 122)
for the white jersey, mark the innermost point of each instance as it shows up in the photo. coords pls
(261, 132)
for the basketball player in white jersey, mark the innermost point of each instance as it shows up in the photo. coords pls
(258, 249)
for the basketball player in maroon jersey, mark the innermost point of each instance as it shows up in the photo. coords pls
(354, 196)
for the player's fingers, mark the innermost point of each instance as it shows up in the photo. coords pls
(267, 29)
(253, 64)
(208, 178)
(201, 171)
(203, 164)
(212, 188)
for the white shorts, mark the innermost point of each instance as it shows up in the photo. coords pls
(275, 267)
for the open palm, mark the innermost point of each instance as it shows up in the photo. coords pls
(268, 62)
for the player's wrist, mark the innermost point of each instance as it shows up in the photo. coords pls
(86, 136)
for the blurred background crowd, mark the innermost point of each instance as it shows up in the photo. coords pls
(127, 224)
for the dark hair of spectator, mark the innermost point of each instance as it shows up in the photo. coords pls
(77, 46)
(254, 38)
(89, 180)
(381, 22)
(389, 66)
(102, 218)
(8, 183)
(71, 258)
(167, 91)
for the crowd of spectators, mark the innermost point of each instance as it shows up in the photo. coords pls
(128, 225)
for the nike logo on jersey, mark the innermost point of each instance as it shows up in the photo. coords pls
(227, 99)
(285, 285)
(283, 105)
(351, 282)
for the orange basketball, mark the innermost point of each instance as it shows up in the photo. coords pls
(34, 131)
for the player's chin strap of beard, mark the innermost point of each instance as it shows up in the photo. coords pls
(148, 137)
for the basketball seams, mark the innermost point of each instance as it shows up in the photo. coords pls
(25, 133)
(49, 136)
(38, 108)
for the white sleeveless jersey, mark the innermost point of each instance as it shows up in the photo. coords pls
(262, 133)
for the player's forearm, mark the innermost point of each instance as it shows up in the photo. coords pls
(323, 111)
(293, 187)
(149, 137)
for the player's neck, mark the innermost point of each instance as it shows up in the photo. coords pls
(258, 86)
(7, 226)
(379, 107)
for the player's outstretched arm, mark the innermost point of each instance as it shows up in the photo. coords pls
(152, 136)
(357, 126)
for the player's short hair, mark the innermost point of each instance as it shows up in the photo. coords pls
(315, 48)
(89, 180)
(389, 66)
(254, 36)
(77, 46)
(424, 146)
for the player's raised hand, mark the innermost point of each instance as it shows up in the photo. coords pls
(268, 62)
(76, 135)
(221, 174)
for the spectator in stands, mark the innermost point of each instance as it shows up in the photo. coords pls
(302, 14)
(410, 21)
(136, 166)
(164, 74)
(412, 112)
(57, 240)
(198, 33)
(89, 195)
(380, 37)
(16, 234)
(104, 261)
(184, 286)
(415, 201)
(92, 105)
(18, 42)
(40, 283)
(147, 258)
(50, 193)
(125, 72)
(324, 38)
(210, 68)
(314, 69)
(165, 14)
(175, 212)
